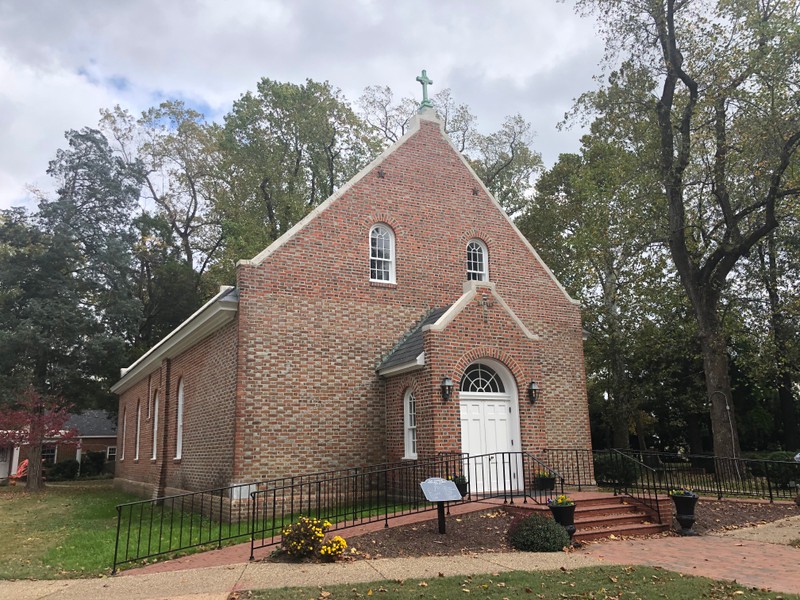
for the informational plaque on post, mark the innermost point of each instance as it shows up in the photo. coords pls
(437, 489)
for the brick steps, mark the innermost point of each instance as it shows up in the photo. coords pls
(599, 515)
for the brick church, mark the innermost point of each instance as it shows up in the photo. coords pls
(405, 316)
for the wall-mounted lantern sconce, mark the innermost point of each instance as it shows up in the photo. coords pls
(447, 388)
(533, 392)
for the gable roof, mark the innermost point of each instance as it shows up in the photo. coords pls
(407, 354)
(93, 423)
(215, 313)
(427, 114)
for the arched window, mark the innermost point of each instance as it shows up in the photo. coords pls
(482, 378)
(155, 425)
(477, 261)
(179, 422)
(124, 432)
(138, 429)
(410, 412)
(381, 253)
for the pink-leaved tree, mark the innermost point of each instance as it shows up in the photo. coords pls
(31, 421)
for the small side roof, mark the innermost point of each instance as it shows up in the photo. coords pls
(407, 354)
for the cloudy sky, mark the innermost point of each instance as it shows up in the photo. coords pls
(62, 61)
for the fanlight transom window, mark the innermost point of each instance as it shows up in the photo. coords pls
(482, 378)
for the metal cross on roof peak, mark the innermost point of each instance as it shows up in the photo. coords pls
(425, 81)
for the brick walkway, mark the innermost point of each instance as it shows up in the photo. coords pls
(749, 563)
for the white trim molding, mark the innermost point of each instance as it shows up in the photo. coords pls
(215, 313)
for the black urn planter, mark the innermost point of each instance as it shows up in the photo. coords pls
(463, 488)
(684, 512)
(564, 515)
(544, 483)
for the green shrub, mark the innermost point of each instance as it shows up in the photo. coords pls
(612, 469)
(64, 470)
(92, 464)
(537, 533)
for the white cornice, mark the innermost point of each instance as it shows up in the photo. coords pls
(208, 318)
(411, 365)
(470, 291)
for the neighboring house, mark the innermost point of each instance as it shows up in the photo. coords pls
(333, 348)
(97, 432)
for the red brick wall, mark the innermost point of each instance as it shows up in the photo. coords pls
(128, 468)
(313, 328)
(208, 370)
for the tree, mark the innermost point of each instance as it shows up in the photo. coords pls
(178, 153)
(284, 149)
(31, 422)
(728, 129)
(66, 305)
(595, 223)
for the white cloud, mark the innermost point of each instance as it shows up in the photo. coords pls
(60, 62)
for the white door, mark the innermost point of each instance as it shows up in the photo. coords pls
(489, 428)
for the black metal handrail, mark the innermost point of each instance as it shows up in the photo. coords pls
(171, 524)
(722, 476)
(381, 494)
(608, 468)
(259, 511)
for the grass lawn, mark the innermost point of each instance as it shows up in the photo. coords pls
(68, 530)
(612, 582)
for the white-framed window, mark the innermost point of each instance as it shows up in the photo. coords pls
(138, 429)
(179, 422)
(111, 453)
(410, 418)
(477, 261)
(155, 425)
(49, 454)
(124, 432)
(381, 253)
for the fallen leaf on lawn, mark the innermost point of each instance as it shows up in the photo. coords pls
(423, 584)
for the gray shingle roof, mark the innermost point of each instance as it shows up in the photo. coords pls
(410, 346)
(93, 423)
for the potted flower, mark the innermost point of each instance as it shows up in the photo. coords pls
(563, 509)
(461, 484)
(544, 480)
(685, 501)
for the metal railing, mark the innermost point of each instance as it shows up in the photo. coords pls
(379, 494)
(706, 475)
(172, 524)
(724, 477)
(623, 473)
(260, 511)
